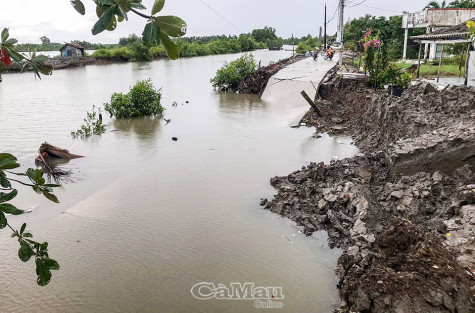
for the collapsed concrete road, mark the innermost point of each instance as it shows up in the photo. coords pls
(404, 212)
(286, 85)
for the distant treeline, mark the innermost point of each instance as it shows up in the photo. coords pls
(132, 48)
(47, 45)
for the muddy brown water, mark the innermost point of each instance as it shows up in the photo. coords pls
(147, 217)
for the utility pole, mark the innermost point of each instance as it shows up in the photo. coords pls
(293, 46)
(340, 28)
(325, 30)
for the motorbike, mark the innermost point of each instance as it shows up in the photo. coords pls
(328, 55)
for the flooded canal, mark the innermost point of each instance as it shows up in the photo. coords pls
(147, 217)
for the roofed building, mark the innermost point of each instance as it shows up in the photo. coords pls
(72, 50)
(433, 20)
(451, 35)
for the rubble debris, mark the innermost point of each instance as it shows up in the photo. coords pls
(403, 211)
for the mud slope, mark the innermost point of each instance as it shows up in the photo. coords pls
(404, 212)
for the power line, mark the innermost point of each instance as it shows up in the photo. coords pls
(217, 13)
(334, 14)
(354, 5)
(367, 6)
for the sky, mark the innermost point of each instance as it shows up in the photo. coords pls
(28, 20)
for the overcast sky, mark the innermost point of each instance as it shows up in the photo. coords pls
(30, 19)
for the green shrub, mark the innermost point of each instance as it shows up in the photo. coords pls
(394, 76)
(157, 52)
(121, 53)
(93, 125)
(453, 60)
(102, 53)
(140, 52)
(228, 76)
(302, 48)
(142, 100)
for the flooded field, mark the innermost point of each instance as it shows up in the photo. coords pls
(147, 218)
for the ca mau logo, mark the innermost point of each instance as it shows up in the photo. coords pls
(236, 291)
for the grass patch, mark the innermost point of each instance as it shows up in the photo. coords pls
(429, 70)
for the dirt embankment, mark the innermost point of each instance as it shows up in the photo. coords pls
(404, 213)
(62, 63)
(256, 82)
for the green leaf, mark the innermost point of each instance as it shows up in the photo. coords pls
(51, 264)
(158, 6)
(104, 20)
(171, 25)
(41, 58)
(42, 270)
(78, 6)
(139, 6)
(3, 220)
(44, 246)
(43, 69)
(8, 161)
(10, 41)
(4, 182)
(4, 35)
(106, 2)
(121, 15)
(38, 175)
(99, 10)
(124, 5)
(151, 34)
(50, 196)
(25, 252)
(5, 197)
(29, 235)
(10, 209)
(4, 156)
(22, 229)
(37, 189)
(14, 55)
(113, 24)
(171, 48)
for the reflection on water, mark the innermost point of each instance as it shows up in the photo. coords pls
(145, 128)
(148, 217)
(236, 103)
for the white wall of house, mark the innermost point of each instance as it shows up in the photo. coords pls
(471, 70)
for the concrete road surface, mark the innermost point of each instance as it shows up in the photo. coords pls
(284, 88)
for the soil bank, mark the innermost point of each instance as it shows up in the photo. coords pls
(404, 210)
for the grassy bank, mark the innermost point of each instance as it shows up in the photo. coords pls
(430, 70)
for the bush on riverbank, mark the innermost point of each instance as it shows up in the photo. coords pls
(228, 76)
(143, 100)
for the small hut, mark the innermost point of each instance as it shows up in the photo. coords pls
(72, 50)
